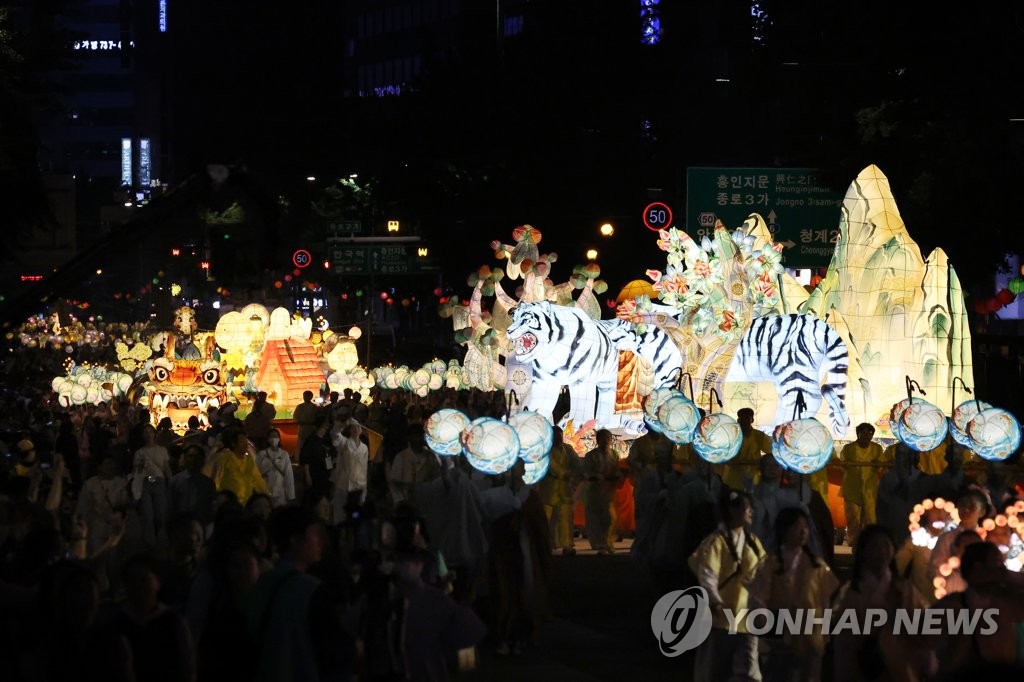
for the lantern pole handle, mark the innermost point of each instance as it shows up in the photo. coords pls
(713, 394)
(911, 384)
(800, 406)
(969, 391)
(679, 383)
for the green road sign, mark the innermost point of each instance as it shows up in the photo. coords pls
(801, 210)
(338, 230)
(382, 259)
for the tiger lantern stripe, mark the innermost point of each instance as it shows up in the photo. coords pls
(793, 352)
(567, 347)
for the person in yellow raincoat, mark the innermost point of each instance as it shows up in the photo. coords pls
(860, 483)
(556, 490)
(743, 471)
(237, 470)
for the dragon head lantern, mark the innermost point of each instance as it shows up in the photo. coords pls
(180, 389)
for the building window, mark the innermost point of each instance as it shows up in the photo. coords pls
(513, 26)
(650, 22)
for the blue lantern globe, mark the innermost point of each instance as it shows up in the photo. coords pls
(802, 445)
(717, 438)
(678, 417)
(443, 431)
(653, 402)
(995, 434)
(535, 471)
(962, 416)
(490, 446)
(921, 426)
(535, 434)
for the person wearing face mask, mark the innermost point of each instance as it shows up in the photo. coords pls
(275, 464)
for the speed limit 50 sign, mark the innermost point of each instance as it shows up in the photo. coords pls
(657, 216)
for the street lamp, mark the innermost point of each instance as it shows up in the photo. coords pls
(591, 254)
(607, 229)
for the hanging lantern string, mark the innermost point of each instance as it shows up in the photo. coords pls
(910, 389)
(345, 325)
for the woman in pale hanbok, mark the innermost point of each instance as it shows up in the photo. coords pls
(794, 578)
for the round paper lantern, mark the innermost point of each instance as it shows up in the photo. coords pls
(995, 434)
(717, 438)
(678, 417)
(443, 431)
(922, 426)
(490, 446)
(535, 471)
(1016, 286)
(637, 287)
(535, 435)
(962, 416)
(653, 402)
(1005, 297)
(803, 445)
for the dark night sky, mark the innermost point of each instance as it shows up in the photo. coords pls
(550, 130)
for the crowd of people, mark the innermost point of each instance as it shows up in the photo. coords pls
(130, 552)
(767, 541)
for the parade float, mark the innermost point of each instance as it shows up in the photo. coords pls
(180, 371)
(724, 314)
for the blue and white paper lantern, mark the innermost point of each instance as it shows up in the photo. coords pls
(717, 438)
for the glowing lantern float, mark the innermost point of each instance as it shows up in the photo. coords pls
(920, 425)
(678, 417)
(535, 435)
(962, 416)
(491, 446)
(802, 445)
(653, 402)
(995, 434)
(535, 471)
(443, 431)
(717, 438)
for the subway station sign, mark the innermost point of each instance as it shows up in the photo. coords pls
(802, 210)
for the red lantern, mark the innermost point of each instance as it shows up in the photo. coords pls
(992, 305)
(1005, 297)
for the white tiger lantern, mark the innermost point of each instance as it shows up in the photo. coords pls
(566, 347)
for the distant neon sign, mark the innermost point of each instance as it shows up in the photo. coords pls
(144, 162)
(163, 16)
(126, 161)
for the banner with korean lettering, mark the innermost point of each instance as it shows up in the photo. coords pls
(801, 209)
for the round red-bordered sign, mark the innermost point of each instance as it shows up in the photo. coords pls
(657, 216)
(302, 258)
